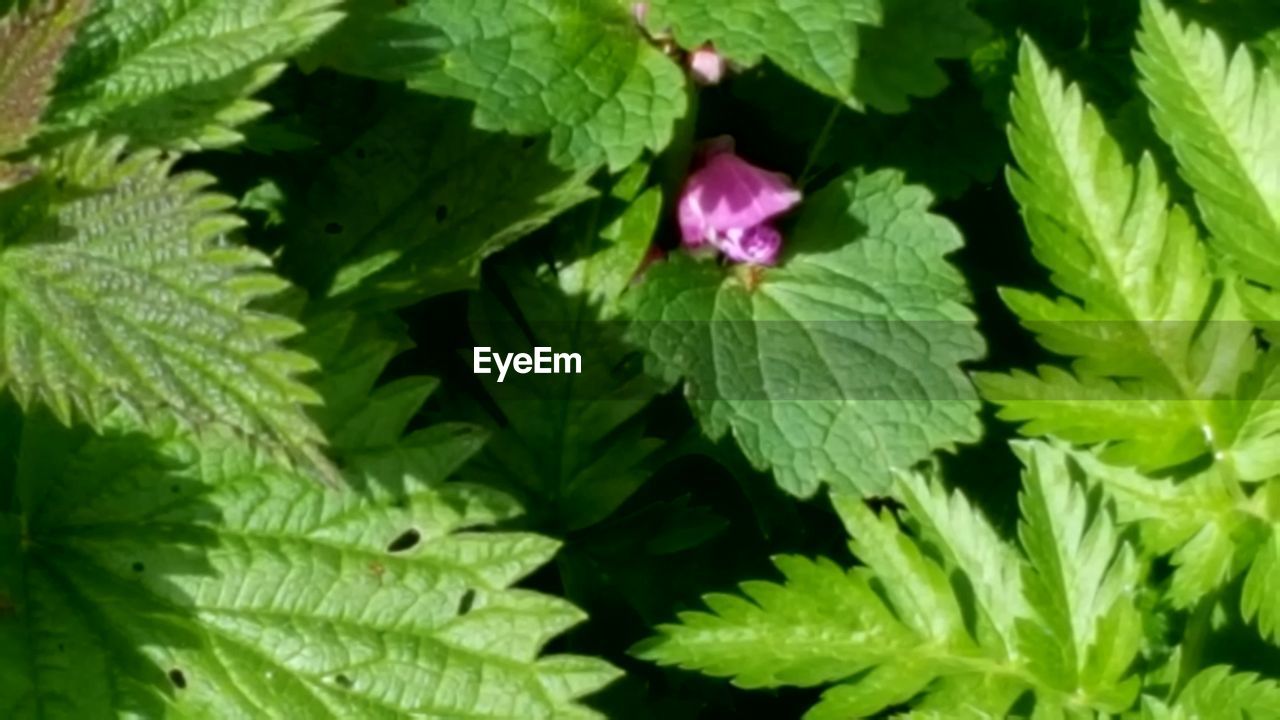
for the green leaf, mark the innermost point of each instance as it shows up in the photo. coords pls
(1204, 520)
(581, 70)
(126, 292)
(1058, 621)
(571, 447)
(196, 579)
(1137, 285)
(1080, 582)
(842, 363)
(179, 73)
(1217, 109)
(1261, 596)
(900, 57)
(411, 206)
(954, 530)
(877, 53)
(1218, 692)
(821, 625)
(816, 42)
(32, 44)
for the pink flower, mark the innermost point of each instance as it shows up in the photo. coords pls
(729, 203)
(640, 11)
(706, 65)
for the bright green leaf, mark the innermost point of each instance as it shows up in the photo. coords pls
(1261, 596)
(1217, 692)
(1221, 114)
(1137, 284)
(1079, 581)
(896, 632)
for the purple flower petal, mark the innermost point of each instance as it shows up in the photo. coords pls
(731, 194)
(759, 245)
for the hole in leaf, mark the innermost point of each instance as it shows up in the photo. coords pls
(442, 213)
(139, 567)
(406, 540)
(178, 679)
(468, 599)
(528, 143)
(333, 228)
(343, 680)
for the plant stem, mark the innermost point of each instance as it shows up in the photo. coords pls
(1193, 640)
(820, 143)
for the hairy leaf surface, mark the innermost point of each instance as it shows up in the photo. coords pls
(199, 579)
(125, 291)
(32, 44)
(179, 73)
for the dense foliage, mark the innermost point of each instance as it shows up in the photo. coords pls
(863, 427)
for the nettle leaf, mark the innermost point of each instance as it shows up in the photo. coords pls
(877, 53)
(179, 73)
(841, 364)
(572, 447)
(1137, 287)
(32, 44)
(201, 580)
(126, 292)
(949, 618)
(581, 70)
(1218, 110)
(410, 208)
